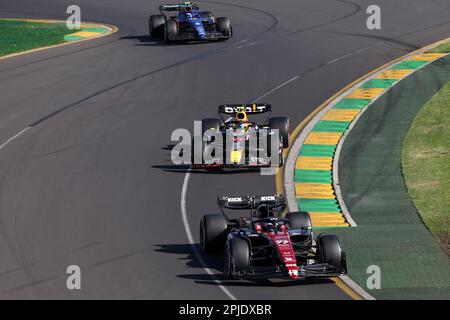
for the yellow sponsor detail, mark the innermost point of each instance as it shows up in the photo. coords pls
(235, 156)
(328, 138)
(340, 114)
(314, 163)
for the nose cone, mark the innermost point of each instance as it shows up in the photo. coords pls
(200, 29)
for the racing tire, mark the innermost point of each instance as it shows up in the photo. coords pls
(299, 220)
(329, 251)
(210, 123)
(156, 26)
(213, 233)
(279, 150)
(223, 25)
(282, 124)
(280, 160)
(170, 29)
(237, 258)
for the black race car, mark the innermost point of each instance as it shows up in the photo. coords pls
(241, 142)
(188, 23)
(266, 245)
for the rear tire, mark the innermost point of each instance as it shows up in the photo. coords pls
(223, 25)
(213, 233)
(282, 124)
(299, 220)
(279, 149)
(280, 160)
(237, 258)
(156, 26)
(330, 251)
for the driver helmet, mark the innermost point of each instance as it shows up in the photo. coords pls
(242, 126)
(242, 116)
(188, 15)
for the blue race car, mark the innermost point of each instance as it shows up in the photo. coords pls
(189, 24)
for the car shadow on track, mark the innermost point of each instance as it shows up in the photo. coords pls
(188, 168)
(215, 264)
(147, 40)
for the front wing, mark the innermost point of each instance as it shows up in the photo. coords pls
(186, 36)
(322, 270)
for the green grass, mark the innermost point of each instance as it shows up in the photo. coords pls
(17, 36)
(426, 164)
(443, 48)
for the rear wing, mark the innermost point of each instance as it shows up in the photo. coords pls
(251, 202)
(253, 108)
(177, 7)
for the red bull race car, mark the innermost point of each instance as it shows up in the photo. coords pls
(266, 245)
(239, 142)
(188, 23)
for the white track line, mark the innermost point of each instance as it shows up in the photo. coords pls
(275, 89)
(14, 137)
(187, 228)
(251, 44)
(242, 41)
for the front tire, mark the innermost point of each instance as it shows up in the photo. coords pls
(329, 251)
(237, 258)
(171, 29)
(156, 26)
(282, 124)
(223, 25)
(213, 233)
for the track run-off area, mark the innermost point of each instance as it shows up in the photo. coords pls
(90, 182)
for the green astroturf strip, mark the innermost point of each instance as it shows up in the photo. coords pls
(313, 176)
(409, 65)
(72, 38)
(318, 205)
(390, 233)
(352, 104)
(100, 30)
(317, 150)
(378, 83)
(331, 126)
(443, 48)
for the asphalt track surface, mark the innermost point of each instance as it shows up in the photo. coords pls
(91, 182)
